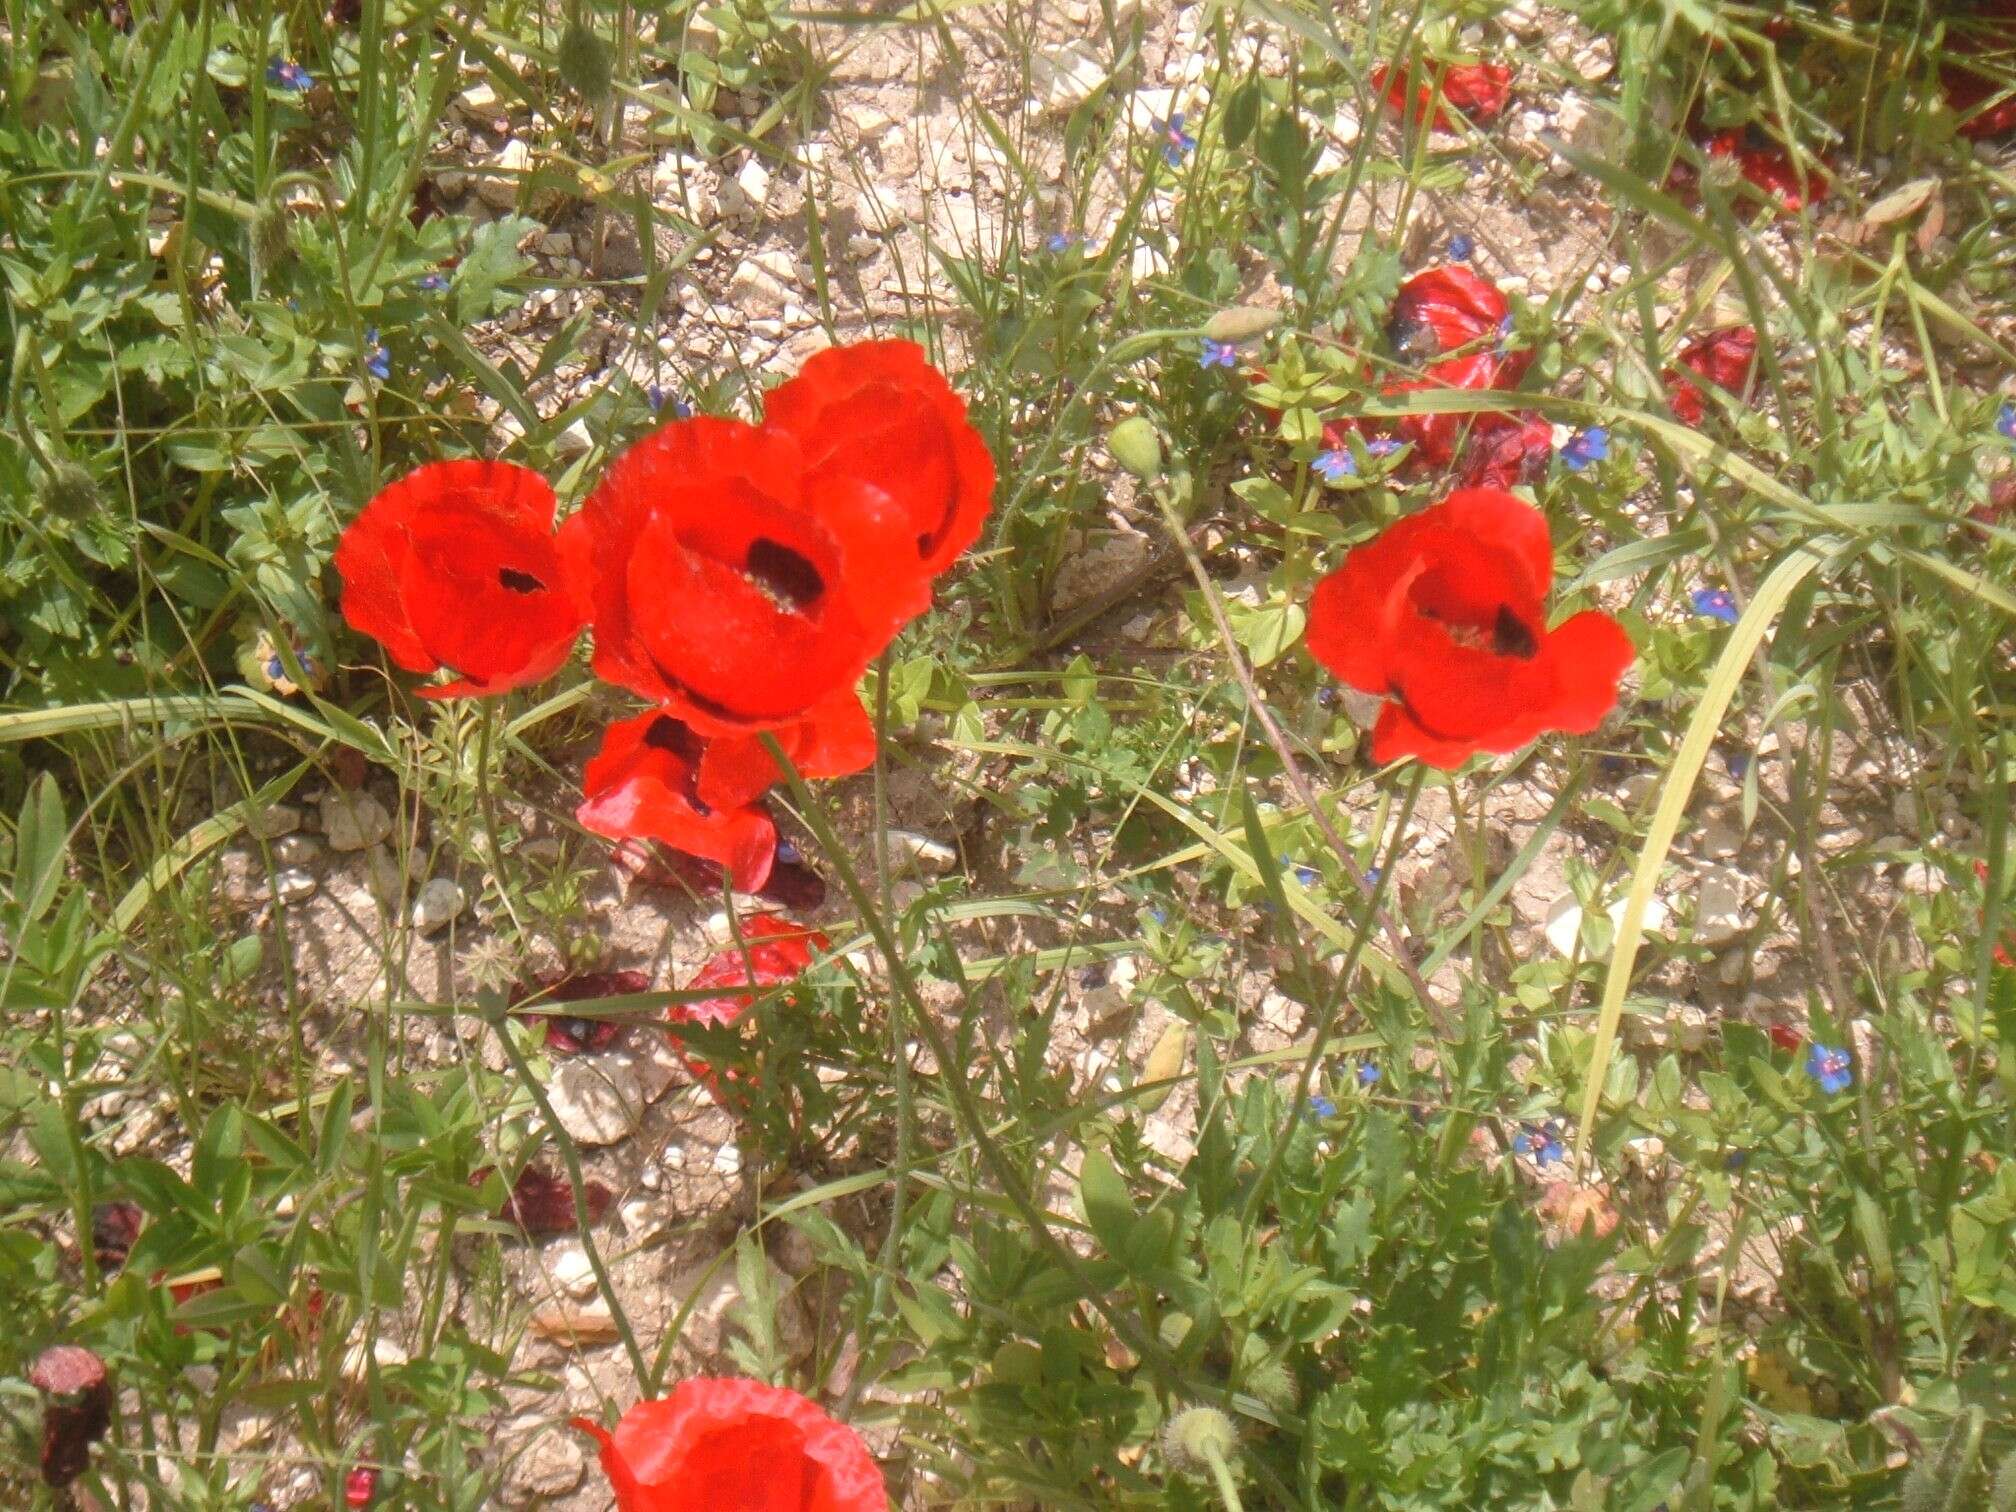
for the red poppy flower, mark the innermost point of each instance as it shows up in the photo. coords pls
(1505, 450)
(880, 430)
(1725, 358)
(1968, 89)
(1444, 613)
(360, 1487)
(454, 566)
(1785, 1037)
(770, 954)
(1480, 90)
(2002, 953)
(77, 1411)
(1445, 308)
(720, 1445)
(652, 780)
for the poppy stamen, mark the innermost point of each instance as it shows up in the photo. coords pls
(1511, 637)
(790, 581)
(519, 582)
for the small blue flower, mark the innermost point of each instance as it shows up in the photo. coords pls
(1158, 913)
(1367, 1074)
(1326, 697)
(1383, 446)
(275, 668)
(1585, 447)
(658, 399)
(1461, 248)
(1176, 142)
(1308, 876)
(1737, 1159)
(1830, 1067)
(1739, 765)
(1542, 1142)
(1716, 603)
(432, 283)
(789, 854)
(1372, 876)
(1505, 325)
(1060, 241)
(2006, 422)
(1335, 464)
(377, 361)
(1322, 1107)
(285, 73)
(1218, 354)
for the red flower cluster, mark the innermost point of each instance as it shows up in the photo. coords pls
(1726, 358)
(771, 953)
(725, 1445)
(741, 577)
(1479, 90)
(1444, 613)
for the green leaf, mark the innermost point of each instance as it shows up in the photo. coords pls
(42, 836)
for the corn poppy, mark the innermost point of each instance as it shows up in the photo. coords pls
(1435, 437)
(1444, 613)
(1480, 90)
(1505, 450)
(575, 1036)
(881, 431)
(454, 566)
(1725, 358)
(649, 782)
(542, 1203)
(728, 1445)
(1441, 309)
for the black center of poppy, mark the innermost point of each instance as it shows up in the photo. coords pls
(519, 582)
(674, 738)
(1412, 337)
(790, 581)
(1510, 637)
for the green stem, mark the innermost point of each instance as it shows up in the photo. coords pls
(1222, 1474)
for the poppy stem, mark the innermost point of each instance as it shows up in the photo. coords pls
(487, 804)
(1227, 1491)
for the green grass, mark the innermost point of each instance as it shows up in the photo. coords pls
(1807, 1301)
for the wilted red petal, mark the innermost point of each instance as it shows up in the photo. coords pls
(1785, 1037)
(723, 1445)
(77, 1411)
(360, 1487)
(572, 1036)
(1505, 450)
(1726, 358)
(542, 1203)
(1453, 305)
(115, 1229)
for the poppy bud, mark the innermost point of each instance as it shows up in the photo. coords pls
(1275, 1384)
(69, 491)
(1136, 447)
(2003, 1497)
(1197, 1436)
(1240, 323)
(585, 62)
(77, 1412)
(1945, 1481)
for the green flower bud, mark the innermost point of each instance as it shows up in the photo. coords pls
(1197, 1435)
(1136, 446)
(1241, 323)
(586, 62)
(69, 491)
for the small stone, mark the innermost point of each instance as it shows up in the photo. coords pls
(353, 820)
(754, 183)
(598, 1099)
(294, 884)
(728, 1160)
(1923, 878)
(479, 102)
(296, 850)
(1564, 920)
(556, 244)
(439, 904)
(912, 852)
(383, 874)
(1718, 839)
(755, 289)
(451, 183)
(551, 1466)
(568, 1268)
(498, 187)
(1064, 77)
(272, 821)
(1719, 914)
(355, 1366)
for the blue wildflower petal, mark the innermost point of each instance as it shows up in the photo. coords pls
(285, 73)
(2006, 421)
(1461, 247)
(1322, 1107)
(1335, 464)
(1368, 1074)
(1585, 447)
(1830, 1066)
(1383, 446)
(1716, 603)
(1218, 354)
